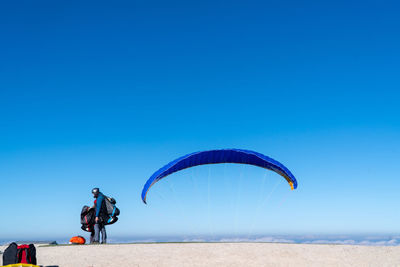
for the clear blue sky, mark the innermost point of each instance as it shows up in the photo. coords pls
(104, 93)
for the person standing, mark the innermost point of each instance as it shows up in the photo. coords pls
(99, 226)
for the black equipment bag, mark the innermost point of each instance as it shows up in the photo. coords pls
(110, 211)
(10, 255)
(19, 254)
(87, 218)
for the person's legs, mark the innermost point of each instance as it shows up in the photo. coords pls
(91, 237)
(103, 234)
(96, 233)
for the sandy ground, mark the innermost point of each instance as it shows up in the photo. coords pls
(216, 254)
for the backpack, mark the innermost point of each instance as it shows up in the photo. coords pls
(87, 218)
(109, 216)
(19, 254)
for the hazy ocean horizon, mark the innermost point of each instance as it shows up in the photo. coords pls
(366, 240)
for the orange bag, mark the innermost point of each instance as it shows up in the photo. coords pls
(79, 240)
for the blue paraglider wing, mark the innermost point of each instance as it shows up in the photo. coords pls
(220, 156)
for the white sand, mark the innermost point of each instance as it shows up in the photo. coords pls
(217, 254)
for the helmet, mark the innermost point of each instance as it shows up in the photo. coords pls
(95, 191)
